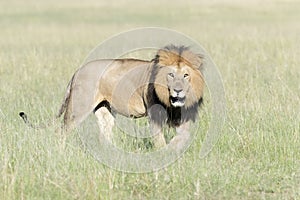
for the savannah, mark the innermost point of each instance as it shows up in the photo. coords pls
(254, 44)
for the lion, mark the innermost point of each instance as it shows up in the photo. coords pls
(167, 89)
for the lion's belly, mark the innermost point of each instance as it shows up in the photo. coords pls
(129, 107)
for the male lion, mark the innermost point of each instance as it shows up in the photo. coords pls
(167, 89)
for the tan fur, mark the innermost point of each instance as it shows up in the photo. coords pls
(128, 87)
(132, 87)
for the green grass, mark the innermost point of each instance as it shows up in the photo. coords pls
(254, 44)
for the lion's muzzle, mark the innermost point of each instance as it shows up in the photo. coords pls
(177, 101)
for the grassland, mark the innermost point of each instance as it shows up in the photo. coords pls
(254, 44)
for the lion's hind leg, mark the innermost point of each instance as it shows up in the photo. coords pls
(105, 122)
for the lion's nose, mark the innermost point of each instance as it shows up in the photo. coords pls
(177, 90)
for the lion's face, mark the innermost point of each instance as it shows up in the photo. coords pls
(178, 82)
(179, 86)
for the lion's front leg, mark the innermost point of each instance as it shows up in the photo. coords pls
(158, 136)
(182, 137)
(157, 116)
(105, 122)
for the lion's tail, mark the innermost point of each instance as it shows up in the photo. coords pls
(62, 109)
(31, 125)
(36, 126)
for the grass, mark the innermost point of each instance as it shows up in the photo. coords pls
(255, 45)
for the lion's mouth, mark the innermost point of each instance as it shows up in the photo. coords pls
(177, 101)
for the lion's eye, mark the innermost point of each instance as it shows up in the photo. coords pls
(171, 75)
(186, 75)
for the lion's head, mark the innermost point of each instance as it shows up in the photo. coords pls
(178, 81)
